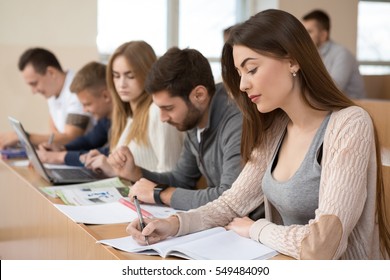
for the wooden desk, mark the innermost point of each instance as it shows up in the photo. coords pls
(32, 228)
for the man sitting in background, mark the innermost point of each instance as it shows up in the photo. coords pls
(340, 63)
(91, 88)
(43, 73)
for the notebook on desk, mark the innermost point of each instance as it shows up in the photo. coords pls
(56, 176)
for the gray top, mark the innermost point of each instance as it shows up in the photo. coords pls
(297, 198)
(343, 68)
(216, 157)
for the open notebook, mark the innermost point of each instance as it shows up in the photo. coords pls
(56, 176)
(212, 244)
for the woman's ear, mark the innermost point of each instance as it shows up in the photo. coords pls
(294, 66)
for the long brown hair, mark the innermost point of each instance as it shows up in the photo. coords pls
(140, 56)
(279, 34)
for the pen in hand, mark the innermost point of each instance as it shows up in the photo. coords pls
(141, 219)
(51, 139)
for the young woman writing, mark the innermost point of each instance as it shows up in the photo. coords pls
(311, 155)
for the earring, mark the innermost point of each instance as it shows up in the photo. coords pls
(294, 74)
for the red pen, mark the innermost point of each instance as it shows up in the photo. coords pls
(132, 206)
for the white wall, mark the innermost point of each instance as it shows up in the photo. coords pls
(343, 15)
(66, 27)
(69, 29)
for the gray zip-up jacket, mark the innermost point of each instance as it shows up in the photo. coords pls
(216, 157)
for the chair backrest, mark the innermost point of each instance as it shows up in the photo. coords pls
(386, 182)
(380, 114)
(377, 86)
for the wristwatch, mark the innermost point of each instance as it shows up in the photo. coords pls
(158, 189)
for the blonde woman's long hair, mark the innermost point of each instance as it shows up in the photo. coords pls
(140, 56)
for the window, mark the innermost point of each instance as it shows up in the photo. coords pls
(201, 25)
(120, 21)
(195, 24)
(374, 37)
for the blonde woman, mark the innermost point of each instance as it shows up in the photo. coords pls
(136, 122)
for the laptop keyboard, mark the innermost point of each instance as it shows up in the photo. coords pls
(71, 173)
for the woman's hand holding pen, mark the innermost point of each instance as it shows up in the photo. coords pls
(156, 229)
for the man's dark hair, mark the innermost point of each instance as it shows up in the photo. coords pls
(40, 59)
(180, 71)
(321, 17)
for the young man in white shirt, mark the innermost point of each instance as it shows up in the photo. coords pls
(43, 73)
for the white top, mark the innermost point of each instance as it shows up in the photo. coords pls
(66, 103)
(198, 133)
(165, 144)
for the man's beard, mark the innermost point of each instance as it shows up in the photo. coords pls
(191, 120)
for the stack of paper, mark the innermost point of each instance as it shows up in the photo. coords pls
(121, 211)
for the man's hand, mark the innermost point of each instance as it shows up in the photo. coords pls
(144, 190)
(51, 157)
(8, 139)
(122, 162)
(97, 162)
(54, 147)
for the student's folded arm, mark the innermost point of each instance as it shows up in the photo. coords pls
(343, 192)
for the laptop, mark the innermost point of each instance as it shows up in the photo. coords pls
(56, 176)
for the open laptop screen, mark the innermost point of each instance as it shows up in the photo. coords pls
(58, 175)
(30, 150)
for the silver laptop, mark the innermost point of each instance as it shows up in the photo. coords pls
(56, 176)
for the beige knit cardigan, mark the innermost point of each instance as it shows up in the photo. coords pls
(344, 226)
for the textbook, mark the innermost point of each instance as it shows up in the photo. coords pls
(212, 244)
(96, 192)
